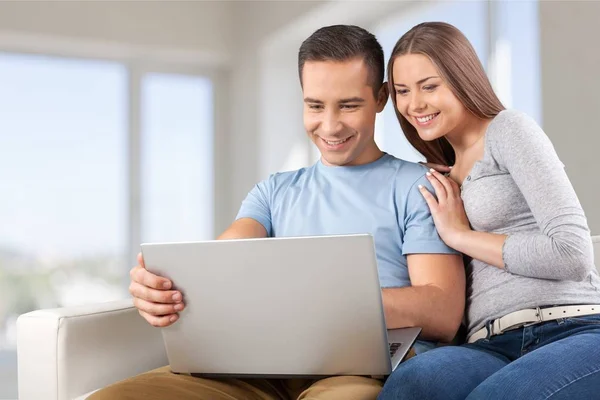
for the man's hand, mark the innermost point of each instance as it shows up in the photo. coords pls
(152, 296)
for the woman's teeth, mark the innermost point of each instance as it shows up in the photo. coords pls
(427, 118)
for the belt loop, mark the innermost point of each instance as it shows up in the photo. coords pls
(489, 327)
(539, 315)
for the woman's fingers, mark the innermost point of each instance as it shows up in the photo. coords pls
(446, 182)
(440, 190)
(429, 199)
(438, 167)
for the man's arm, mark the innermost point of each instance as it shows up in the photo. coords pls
(244, 228)
(435, 301)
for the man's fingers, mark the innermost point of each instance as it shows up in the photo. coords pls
(159, 322)
(147, 278)
(431, 202)
(153, 295)
(157, 309)
(140, 260)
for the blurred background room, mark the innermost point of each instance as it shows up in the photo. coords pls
(124, 122)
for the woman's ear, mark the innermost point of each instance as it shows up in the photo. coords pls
(382, 97)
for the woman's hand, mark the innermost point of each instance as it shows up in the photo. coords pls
(448, 210)
(438, 167)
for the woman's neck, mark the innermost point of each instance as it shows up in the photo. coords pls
(467, 135)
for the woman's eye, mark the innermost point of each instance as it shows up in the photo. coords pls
(401, 92)
(429, 88)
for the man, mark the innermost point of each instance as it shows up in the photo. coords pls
(353, 188)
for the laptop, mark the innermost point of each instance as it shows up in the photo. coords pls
(278, 307)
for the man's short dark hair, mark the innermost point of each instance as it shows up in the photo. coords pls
(343, 43)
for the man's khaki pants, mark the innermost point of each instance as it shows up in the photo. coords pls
(163, 384)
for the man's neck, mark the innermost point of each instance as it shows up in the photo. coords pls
(370, 155)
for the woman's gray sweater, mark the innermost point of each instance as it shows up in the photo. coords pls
(520, 189)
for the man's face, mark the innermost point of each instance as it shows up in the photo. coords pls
(340, 109)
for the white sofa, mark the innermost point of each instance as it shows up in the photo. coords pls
(66, 353)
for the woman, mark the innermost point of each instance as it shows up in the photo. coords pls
(533, 302)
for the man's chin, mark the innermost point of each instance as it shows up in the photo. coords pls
(335, 160)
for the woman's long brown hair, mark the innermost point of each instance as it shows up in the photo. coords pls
(458, 65)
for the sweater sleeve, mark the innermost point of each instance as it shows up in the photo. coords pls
(562, 249)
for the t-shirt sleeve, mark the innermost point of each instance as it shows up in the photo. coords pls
(420, 234)
(257, 205)
(562, 248)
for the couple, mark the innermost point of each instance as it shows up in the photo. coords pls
(526, 234)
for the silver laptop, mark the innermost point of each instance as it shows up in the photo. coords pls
(278, 307)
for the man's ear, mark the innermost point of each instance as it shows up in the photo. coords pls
(382, 97)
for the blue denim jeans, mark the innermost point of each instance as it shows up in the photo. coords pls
(554, 360)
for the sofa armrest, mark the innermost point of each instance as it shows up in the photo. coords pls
(64, 353)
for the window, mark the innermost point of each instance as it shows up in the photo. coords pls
(66, 181)
(177, 158)
(63, 141)
(515, 56)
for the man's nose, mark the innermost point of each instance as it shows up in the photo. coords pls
(330, 124)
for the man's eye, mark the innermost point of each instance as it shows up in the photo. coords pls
(348, 106)
(315, 106)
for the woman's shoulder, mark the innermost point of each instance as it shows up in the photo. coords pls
(509, 120)
(512, 127)
(513, 134)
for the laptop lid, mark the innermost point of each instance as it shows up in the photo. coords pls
(275, 307)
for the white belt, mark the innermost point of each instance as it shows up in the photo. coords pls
(532, 316)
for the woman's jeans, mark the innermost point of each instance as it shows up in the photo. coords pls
(553, 360)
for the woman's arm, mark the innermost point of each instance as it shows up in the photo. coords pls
(562, 250)
(453, 226)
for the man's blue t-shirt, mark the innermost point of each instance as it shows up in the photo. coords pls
(381, 198)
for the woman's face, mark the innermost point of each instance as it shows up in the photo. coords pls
(424, 99)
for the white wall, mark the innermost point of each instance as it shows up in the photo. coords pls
(570, 62)
(198, 32)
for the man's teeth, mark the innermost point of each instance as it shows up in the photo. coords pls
(427, 118)
(333, 143)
